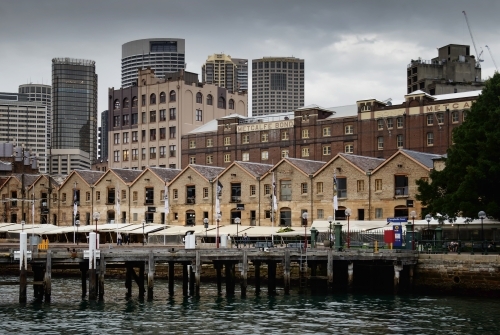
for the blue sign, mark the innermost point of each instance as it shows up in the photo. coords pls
(398, 235)
(397, 220)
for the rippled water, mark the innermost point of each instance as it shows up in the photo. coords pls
(212, 314)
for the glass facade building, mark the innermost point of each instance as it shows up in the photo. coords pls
(74, 103)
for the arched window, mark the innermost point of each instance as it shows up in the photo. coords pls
(163, 97)
(126, 103)
(152, 99)
(134, 102)
(231, 104)
(199, 98)
(172, 96)
(209, 100)
(117, 104)
(222, 103)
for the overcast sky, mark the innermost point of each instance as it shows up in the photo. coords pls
(353, 50)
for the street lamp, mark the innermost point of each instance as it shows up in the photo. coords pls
(348, 212)
(237, 221)
(330, 220)
(77, 223)
(205, 223)
(428, 218)
(413, 214)
(482, 216)
(217, 238)
(22, 225)
(143, 236)
(96, 216)
(304, 218)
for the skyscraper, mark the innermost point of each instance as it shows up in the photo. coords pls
(163, 55)
(74, 106)
(277, 85)
(42, 94)
(223, 71)
(103, 140)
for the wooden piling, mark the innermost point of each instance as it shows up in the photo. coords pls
(142, 289)
(244, 274)
(218, 270)
(397, 272)
(128, 279)
(271, 280)
(151, 274)
(411, 269)
(191, 279)
(102, 272)
(257, 276)
(329, 269)
(47, 280)
(286, 272)
(350, 276)
(22, 284)
(197, 273)
(229, 266)
(84, 267)
(185, 279)
(171, 278)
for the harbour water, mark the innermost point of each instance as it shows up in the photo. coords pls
(212, 314)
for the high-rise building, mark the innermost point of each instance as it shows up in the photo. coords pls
(103, 138)
(223, 71)
(163, 55)
(146, 122)
(277, 85)
(23, 123)
(42, 94)
(455, 70)
(74, 111)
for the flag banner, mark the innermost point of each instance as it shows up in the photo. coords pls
(334, 182)
(335, 204)
(75, 204)
(117, 201)
(275, 200)
(219, 188)
(217, 206)
(167, 209)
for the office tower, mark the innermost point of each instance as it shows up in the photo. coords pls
(277, 85)
(146, 122)
(23, 123)
(223, 71)
(163, 55)
(455, 70)
(103, 138)
(42, 94)
(74, 106)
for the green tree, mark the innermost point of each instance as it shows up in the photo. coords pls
(470, 181)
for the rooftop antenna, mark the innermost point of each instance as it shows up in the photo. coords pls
(478, 60)
(493, 59)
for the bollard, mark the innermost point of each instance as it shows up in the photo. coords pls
(376, 247)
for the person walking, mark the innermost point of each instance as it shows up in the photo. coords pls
(119, 239)
(245, 240)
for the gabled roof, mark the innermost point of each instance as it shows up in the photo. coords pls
(28, 178)
(305, 165)
(165, 173)
(90, 176)
(423, 159)
(255, 169)
(127, 175)
(209, 172)
(363, 162)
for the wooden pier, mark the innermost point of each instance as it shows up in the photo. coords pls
(334, 269)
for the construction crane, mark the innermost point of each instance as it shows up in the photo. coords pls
(478, 60)
(493, 59)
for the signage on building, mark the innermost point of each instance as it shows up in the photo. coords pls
(397, 220)
(151, 209)
(240, 207)
(244, 128)
(450, 106)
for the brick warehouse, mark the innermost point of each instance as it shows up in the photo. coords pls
(374, 128)
(373, 188)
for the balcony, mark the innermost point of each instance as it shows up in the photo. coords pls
(235, 198)
(401, 191)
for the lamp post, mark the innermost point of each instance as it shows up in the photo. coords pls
(205, 223)
(413, 214)
(237, 221)
(143, 236)
(217, 237)
(348, 212)
(428, 218)
(330, 220)
(77, 223)
(96, 216)
(482, 216)
(304, 218)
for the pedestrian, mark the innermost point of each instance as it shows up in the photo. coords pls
(245, 239)
(128, 239)
(229, 241)
(119, 239)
